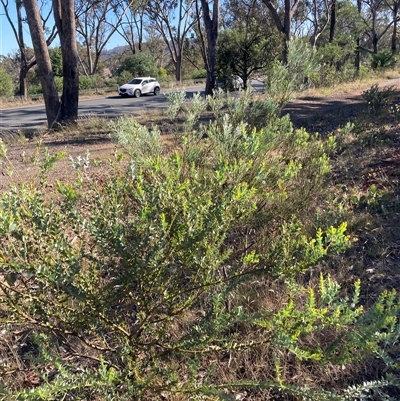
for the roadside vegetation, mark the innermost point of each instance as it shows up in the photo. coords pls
(242, 259)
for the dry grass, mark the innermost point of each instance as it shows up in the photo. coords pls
(353, 86)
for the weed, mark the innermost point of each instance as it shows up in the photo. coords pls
(377, 98)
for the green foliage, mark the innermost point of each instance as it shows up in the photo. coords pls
(139, 64)
(242, 50)
(139, 142)
(383, 59)
(162, 74)
(337, 65)
(35, 89)
(149, 279)
(299, 72)
(6, 84)
(374, 199)
(176, 100)
(85, 82)
(378, 98)
(59, 83)
(124, 77)
(199, 74)
(56, 61)
(111, 82)
(349, 26)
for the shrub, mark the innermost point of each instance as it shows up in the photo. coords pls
(162, 74)
(124, 77)
(383, 59)
(6, 84)
(199, 74)
(139, 64)
(182, 264)
(299, 73)
(378, 98)
(111, 82)
(85, 82)
(59, 83)
(35, 89)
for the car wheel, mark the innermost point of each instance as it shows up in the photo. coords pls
(156, 91)
(137, 93)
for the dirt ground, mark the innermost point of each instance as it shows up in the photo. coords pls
(315, 114)
(326, 114)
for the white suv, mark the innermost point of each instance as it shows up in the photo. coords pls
(138, 86)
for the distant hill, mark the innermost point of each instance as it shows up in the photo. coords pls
(115, 50)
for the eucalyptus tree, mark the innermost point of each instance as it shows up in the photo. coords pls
(64, 16)
(66, 108)
(96, 22)
(282, 13)
(173, 20)
(131, 27)
(357, 61)
(341, 44)
(394, 6)
(318, 15)
(377, 22)
(249, 43)
(332, 24)
(208, 14)
(27, 60)
(155, 45)
(45, 72)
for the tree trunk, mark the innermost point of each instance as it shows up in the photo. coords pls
(357, 62)
(375, 43)
(287, 30)
(23, 89)
(50, 95)
(18, 31)
(333, 22)
(284, 27)
(64, 16)
(178, 67)
(211, 25)
(394, 31)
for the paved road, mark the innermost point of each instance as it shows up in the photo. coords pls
(28, 117)
(24, 117)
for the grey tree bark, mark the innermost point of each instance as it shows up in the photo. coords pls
(285, 25)
(395, 13)
(332, 26)
(211, 22)
(50, 95)
(64, 16)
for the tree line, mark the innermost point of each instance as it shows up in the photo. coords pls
(220, 37)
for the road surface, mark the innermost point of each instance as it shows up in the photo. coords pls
(34, 116)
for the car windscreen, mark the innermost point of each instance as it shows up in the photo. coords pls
(135, 81)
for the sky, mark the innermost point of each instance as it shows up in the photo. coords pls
(7, 39)
(8, 43)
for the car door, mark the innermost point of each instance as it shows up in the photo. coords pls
(146, 86)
